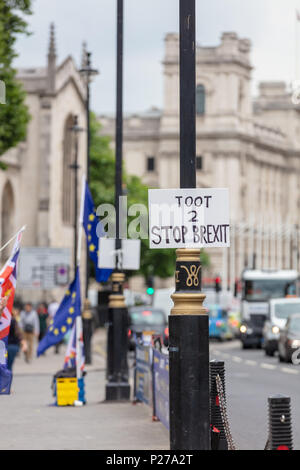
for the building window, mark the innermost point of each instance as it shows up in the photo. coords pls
(67, 174)
(150, 163)
(199, 163)
(200, 100)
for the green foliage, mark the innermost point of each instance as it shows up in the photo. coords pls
(159, 263)
(14, 115)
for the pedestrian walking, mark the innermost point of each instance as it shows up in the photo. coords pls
(15, 340)
(29, 322)
(42, 312)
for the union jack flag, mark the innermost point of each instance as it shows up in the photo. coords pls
(8, 281)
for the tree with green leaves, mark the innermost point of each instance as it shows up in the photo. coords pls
(157, 262)
(14, 115)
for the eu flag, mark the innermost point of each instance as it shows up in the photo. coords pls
(90, 224)
(65, 316)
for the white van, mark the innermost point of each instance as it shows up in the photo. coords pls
(279, 311)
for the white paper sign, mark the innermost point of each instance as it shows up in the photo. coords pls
(189, 218)
(130, 254)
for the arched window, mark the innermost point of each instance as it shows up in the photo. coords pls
(200, 99)
(67, 174)
(7, 218)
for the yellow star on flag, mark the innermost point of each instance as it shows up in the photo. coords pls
(69, 320)
(56, 331)
(71, 310)
(91, 217)
(92, 247)
(89, 227)
(63, 329)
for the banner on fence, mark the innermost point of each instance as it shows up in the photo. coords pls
(143, 377)
(161, 387)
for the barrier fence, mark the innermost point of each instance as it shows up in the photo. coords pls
(151, 381)
(151, 386)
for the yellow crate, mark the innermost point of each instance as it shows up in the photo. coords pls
(66, 391)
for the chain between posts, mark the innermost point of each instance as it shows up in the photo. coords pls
(223, 409)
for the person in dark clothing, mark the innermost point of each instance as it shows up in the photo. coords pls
(42, 312)
(15, 341)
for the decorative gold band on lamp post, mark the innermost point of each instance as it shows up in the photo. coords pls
(187, 298)
(117, 299)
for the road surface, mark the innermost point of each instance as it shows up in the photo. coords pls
(251, 377)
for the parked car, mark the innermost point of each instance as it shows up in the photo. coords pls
(218, 323)
(146, 321)
(279, 311)
(289, 339)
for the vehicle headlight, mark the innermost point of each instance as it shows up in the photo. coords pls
(243, 329)
(275, 330)
(295, 343)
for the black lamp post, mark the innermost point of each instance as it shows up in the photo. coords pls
(117, 386)
(188, 322)
(87, 72)
(74, 166)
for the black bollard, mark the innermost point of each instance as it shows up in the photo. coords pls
(217, 368)
(280, 423)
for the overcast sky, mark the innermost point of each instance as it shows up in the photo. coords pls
(269, 24)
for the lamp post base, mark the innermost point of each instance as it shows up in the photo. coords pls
(117, 391)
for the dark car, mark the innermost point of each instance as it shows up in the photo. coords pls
(251, 331)
(289, 339)
(144, 322)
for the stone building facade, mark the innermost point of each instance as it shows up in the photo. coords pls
(249, 145)
(37, 189)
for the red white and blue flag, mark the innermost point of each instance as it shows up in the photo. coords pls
(75, 348)
(8, 281)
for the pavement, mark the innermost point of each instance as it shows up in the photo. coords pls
(30, 421)
(251, 377)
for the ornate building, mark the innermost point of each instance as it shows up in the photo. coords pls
(37, 189)
(251, 146)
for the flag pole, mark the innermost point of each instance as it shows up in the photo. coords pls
(12, 238)
(80, 221)
(78, 325)
(78, 333)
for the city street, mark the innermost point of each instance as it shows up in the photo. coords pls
(251, 377)
(32, 423)
(28, 421)
(149, 213)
